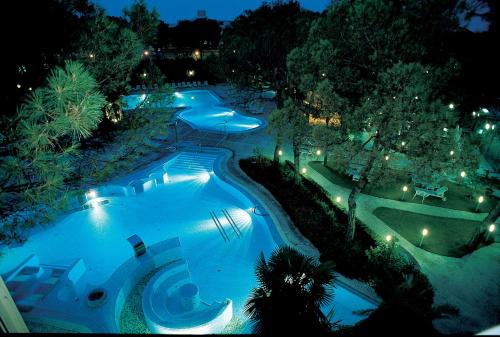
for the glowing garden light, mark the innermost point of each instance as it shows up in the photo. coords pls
(451, 106)
(416, 97)
(493, 127)
(318, 152)
(403, 143)
(479, 202)
(18, 86)
(386, 157)
(304, 170)
(338, 199)
(146, 53)
(405, 189)
(473, 113)
(425, 232)
(388, 238)
(445, 129)
(144, 74)
(452, 153)
(91, 55)
(30, 89)
(463, 174)
(280, 153)
(487, 126)
(485, 110)
(480, 131)
(491, 229)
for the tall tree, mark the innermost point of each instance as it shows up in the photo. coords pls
(367, 50)
(254, 47)
(405, 108)
(143, 22)
(290, 122)
(39, 152)
(292, 289)
(110, 51)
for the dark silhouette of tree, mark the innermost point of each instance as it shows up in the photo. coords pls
(292, 288)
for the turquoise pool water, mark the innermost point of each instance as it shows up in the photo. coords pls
(181, 207)
(204, 111)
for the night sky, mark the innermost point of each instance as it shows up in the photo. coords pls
(172, 11)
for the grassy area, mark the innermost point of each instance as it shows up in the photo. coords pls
(459, 197)
(446, 236)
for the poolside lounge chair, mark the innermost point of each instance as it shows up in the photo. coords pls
(428, 191)
(138, 87)
(195, 84)
(205, 83)
(144, 87)
(155, 86)
(184, 84)
(199, 83)
(174, 85)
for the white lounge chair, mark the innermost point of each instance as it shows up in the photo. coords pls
(184, 84)
(430, 192)
(205, 83)
(194, 84)
(174, 85)
(199, 83)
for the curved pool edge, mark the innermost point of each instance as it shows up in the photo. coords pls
(288, 233)
(283, 223)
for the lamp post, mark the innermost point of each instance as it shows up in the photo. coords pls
(424, 234)
(479, 202)
(405, 189)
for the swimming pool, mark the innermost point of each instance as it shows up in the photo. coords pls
(183, 206)
(203, 111)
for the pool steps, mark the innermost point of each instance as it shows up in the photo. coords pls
(231, 222)
(229, 219)
(217, 223)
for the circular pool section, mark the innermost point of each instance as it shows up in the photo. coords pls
(172, 305)
(203, 111)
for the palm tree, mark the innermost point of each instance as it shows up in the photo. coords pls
(292, 289)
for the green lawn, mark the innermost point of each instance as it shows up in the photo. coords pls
(459, 197)
(446, 236)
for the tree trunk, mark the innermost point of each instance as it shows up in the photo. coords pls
(325, 159)
(351, 202)
(481, 231)
(296, 159)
